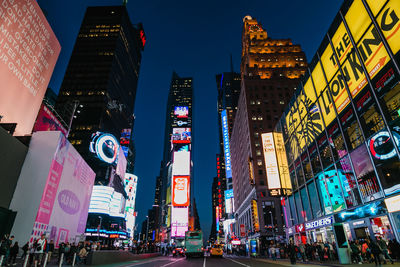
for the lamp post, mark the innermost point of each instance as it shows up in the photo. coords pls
(98, 230)
(272, 224)
(147, 229)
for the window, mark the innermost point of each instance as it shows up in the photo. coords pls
(259, 162)
(258, 152)
(282, 102)
(254, 118)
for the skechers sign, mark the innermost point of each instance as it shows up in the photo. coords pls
(318, 223)
(105, 146)
(227, 152)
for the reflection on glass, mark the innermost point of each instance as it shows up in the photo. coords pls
(348, 181)
(329, 183)
(293, 216)
(336, 141)
(315, 162)
(299, 172)
(370, 116)
(306, 204)
(293, 177)
(300, 211)
(312, 192)
(351, 128)
(392, 102)
(366, 178)
(325, 152)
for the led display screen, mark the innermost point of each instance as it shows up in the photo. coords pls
(46, 121)
(181, 135)
(229, 201)
(271, 163)
(181, 163)
(371, 209)
(105, 146)
(106, 201)
(180, 190)
(282, 163)
(121, 163)
(28, 52)
(227, 151)
(181, 111)
(124, 140)
(179, 221)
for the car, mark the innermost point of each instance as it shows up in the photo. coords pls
(178, 252)
(216, 250)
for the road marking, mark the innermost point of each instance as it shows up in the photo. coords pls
(204, 262)
(137, 263)
(172, 262)
(238, 262)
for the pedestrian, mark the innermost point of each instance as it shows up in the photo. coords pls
(273, 253)
(5, 248)
(13, 253)
(40, 248)
(376, 252)
(385, 251)
(355, 253)
(302, 251)
(394, 248)
(50, 250)
(292, 252)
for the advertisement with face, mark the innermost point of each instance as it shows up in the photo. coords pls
(25, 65)
(181, 135)
(65, 201)
(180, 190)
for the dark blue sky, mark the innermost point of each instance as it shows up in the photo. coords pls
(194, 38)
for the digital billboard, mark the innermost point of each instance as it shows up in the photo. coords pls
(179, 221)
(254, 213)
(181, 111)
(181, 163)
(105, 146)
(28, 53)
(180, 190)
(121, 163)
(271, 163)
(106, 200)
(53, 194)
(181, 135)
(283, 166)
(227, 151)
(124, 140)
(229, 201)
(46, 121)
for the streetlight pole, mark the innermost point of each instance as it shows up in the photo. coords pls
(272, 224)
(98, 231)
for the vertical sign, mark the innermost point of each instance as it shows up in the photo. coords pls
(227, 152)
(271, 164)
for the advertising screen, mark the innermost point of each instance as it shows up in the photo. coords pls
(229, 201)
(180, 190)
(28, 53)
(254, 212)
(181, 163)
(179, 221)
(181, 112)
(105, 146)
(227, 150)
(46, 121)
(282, 163)
(181, 135)
(121, 163)
(271, 164)
(124, 140)
(106, 201)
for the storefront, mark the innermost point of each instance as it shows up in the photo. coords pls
(369, 221)
(320, 230)
(393, 206)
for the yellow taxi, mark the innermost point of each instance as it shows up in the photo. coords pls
(216, 250)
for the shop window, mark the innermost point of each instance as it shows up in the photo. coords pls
(348, 181)
(306, 166)
(370, 117)
(325, 151)
(299, 172)
(293, 215)
(306, 204)
(367, 182)
(300, 212)
(315, 205)
(351, 129)
(392, 102)
(381, 227)
(333, 187)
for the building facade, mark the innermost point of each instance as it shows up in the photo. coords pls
(341, 130)
(270, 71)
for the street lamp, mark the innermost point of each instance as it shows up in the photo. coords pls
(98, 231)
(272, 224)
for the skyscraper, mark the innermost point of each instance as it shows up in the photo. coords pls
(270, 71)
(177, 166)
(99, 86)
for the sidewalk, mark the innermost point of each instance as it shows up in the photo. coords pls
(286, 262)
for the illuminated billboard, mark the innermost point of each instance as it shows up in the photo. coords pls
(254, 213)
(227, 151)
(28, 53)
(121, 163)
(179, 221)
(105, 146)
(53, 194)
(181, 135)
(283, 166)
(181, 111)
(320, 97)
(46, 121)
(181, 163)
(125, 139)
(105, 200)
(229, 201)
(271, 163)
(180, 190)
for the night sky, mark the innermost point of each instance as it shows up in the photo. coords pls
(194, 38)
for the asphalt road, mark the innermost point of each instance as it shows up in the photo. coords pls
(203, 262)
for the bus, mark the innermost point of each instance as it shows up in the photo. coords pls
(194, 244)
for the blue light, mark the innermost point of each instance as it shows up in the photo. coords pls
(227, 152)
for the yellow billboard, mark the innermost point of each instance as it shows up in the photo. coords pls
(254, 211)
(282, 164)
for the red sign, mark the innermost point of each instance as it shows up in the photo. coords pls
(300, 228)
(242, 230)
(46, 121)
(180, 190)
(142, 37)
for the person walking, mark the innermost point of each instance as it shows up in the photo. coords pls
(376, 252)
(13, 254)
(5, 248)
(50, 250)
(40, 248)
(385, 251)
(25, 249)
(292, 252)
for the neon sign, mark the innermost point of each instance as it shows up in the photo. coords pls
(142, 37)
(227, 152)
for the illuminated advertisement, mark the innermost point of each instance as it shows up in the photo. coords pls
(179, 221)
(330, 188)
(380, 147)
(371, 209)
(271, 164)
(181, 135)
(121, 163)
(217, 218)
(105, 200)
(181, 163)
(229, 201)
(46, 121)
(27, 61)
(227, 151)
(318, 223)
(283, 168)
(58, 190)
(303, 129)
(181, 112)
(242, 229)
(393, 203)
(180, 191)
(254, 212)
(124, 140)
(105, 146)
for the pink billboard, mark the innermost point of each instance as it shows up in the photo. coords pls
(46, 121)
(179, 221)
(28, 53)
(64, 204)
